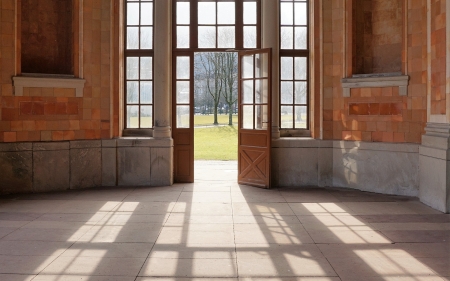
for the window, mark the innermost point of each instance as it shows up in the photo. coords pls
(216, 24)
(294, 60)
(139, 64)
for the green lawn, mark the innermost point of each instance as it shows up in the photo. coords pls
(206, 120)
(215, 143)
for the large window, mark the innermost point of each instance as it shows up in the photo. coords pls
(294, 60)
(139, 64)
(216, 24)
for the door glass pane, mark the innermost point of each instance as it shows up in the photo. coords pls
(146, 117)
(261, 117)
(286, 93)
(182, 91)
(183, 116)
(226, 37)
(132, 92)
(183, 67)
(132, 116)
(249, 12)
(301, 38)
(206, 37)
(183, 12)
(247, 117)
(146, 68)
(249, 36)
(132, 13)
(300, 92)
(147, 13)
(287, 38)
(225, 13)
(247, 67)
(261, 91)
(132, 38)
(286, 117)
(207, 13)
(182, 37)
(300, 13)
(247, 92)
(287, 71)
(132, 68)
(300, 117)
(300, 68)
(146, 92)
(146, 37)
(261, 61)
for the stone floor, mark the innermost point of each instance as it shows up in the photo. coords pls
(218, 229)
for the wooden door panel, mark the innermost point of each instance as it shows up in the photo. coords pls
(254, 118)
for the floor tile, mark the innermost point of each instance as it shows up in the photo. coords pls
(194, 251)
(27, 265)
(16, 277)
(189, 268)
(177, 219)
(258, 209)
(261, 234)
(33, 248)
(202, 209)
(108, 250)
(131, 233)
(205, 197)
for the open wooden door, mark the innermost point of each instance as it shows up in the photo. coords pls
(254, 131)
(183, 118)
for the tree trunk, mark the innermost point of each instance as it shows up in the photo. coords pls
(230, 115)
(215, 116)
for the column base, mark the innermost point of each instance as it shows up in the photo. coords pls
(162, 132)
(434, 159)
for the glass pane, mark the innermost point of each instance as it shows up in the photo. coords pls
(132, 13)
(182, 37)
(300, 14)
(147, 13)
(132, 38)
(287, 65)
(286, 93)
(146, 37)
(287, 13)
(146, 117)
(226, 37)
(247, 117)
(261, 116)
(286, 117)
(247, 92)
(146, 68)
(300, 92)
(287, 38)
(301, 37)
(249, 36)
(207, 13)
(206, 36)
(132, 116)
(261, 61)
(249, 12)
(183, 13)
(300, 117)
(182, 91)
(132, 68)
(183, 68)
(261, 91)
(301, 68)
(225, 13)
(147, 92)
(247, 67)
(132, 92)
(182, 116)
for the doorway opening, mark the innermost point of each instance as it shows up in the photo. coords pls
(215, 115)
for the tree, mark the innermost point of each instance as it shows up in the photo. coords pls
(229, 76)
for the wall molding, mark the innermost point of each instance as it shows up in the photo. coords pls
(20, 82)
(401, 81)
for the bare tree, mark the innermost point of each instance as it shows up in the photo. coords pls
(229, 76)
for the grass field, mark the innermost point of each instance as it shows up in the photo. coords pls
(215, 142)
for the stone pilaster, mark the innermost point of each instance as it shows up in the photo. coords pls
(435, 167)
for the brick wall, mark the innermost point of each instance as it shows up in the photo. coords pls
(50, 114)
(374, 114)
(438, 60)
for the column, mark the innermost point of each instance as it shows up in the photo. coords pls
(270, 39)
(162, 68)
(434, 152)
